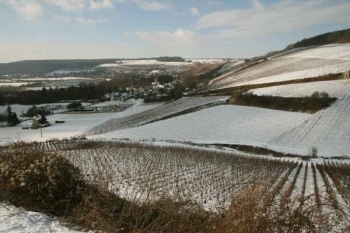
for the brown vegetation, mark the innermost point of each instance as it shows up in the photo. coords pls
(200, 74)
(47, 182)
(310, 104)
(44, 181)
(342, 36)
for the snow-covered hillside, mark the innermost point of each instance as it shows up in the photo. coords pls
(144, 63)
(337, 88)
(164, 111)
(327, 130)
(297, 133)
(220, 124)
(154, 62)
(75, 124)
(312, 62)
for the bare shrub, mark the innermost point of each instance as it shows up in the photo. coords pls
(46, 182)
(314, 152)
(250, 213)
(38, 180)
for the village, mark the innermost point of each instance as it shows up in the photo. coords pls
(115, 101)
(179, 119)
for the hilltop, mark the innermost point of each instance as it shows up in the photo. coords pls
(342, 36)
(47, 66)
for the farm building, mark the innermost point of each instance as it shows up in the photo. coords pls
(35, 124)
(155, 83)
(347, 74)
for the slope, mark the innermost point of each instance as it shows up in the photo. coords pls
(227, 124)
(337, 88)
(342, 36)
(312, 62)
(328, 131)
(181, 106)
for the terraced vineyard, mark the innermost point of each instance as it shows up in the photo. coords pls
(225, 124)
(211, 178)
(186, 104)
(337, 88)
(313, 62)
(328, 130)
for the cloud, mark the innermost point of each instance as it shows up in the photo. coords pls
(29, 10)
(69, 5)
(86, 21)
(213, 2)
(100, 4)
(148, 5)
(194, 11)
(81, 20)
(179, 36)
(40, 50)
(182, 42)
(257, 5)
(284, 16)
(61, 18)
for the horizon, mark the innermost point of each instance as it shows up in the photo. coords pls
(130, 29)
(117, 59)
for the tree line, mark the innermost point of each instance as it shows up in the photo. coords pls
(86, 92)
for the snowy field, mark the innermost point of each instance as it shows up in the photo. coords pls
(312, 62)
(75, 124)
(328, 131)
(18, 220)
(143, 63)
(164, 111)
(220, 124)
(19, 108)
(231, 64)
(144, 173)
(40, 79)
(114, 102)
(155, 63)
(289, 132)
(209, 178)
(206, 60)
(13, 84)
(337, 88)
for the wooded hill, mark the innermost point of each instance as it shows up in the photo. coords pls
(342, 36)
(47, 66)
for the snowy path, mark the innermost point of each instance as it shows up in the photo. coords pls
(13, 219)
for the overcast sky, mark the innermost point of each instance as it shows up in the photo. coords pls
(71, 29)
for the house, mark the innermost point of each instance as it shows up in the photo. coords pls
(115, 96)
(347, 74)
(35, 124)
(47, 108)
(155, 83)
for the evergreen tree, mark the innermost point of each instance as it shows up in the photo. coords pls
(8, 115)
(43, 119)
(2, 99)
(12, 118)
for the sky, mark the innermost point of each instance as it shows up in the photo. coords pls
(89, 29)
